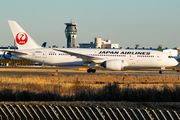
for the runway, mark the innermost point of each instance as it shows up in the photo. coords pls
(69, 70)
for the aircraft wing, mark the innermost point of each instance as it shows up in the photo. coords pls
(16, 52)
(19, 52)
(85, 58)
(10, 51)
(6, 50)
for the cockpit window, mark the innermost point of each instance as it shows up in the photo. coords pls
(169, 56)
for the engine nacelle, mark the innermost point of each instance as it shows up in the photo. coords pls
(114, 64)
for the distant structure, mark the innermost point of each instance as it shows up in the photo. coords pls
(99, 43)
(86, 45)
(9, 47)
(71, 32)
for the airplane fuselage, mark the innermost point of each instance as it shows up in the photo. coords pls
(132, 58)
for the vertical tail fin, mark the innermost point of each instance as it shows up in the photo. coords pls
(44, 44)
(160, 48)
(22, 39)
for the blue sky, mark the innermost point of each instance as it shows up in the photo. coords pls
(148, 23)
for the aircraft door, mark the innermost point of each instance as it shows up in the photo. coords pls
(38, 54)
(44, 54)
(131, 60)
(159, 57)
(131, 57)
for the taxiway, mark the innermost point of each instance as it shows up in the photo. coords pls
(74, 70)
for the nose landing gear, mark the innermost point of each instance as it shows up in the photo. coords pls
(161, 71)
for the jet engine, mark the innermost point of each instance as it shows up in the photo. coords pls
(113, 64)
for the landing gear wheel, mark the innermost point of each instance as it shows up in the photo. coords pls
(160, 72)
(93, 70)
(89, 70)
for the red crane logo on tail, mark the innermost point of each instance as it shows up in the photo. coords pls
(21, 38)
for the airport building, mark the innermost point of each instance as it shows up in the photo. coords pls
(71, 33)
(108, 44)
(86, 45)
(99, 43)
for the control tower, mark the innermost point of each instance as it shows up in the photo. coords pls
(71, 32)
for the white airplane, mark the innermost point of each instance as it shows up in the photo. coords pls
(4, 55)
(113, 59)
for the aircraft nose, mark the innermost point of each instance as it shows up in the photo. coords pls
(175, 62)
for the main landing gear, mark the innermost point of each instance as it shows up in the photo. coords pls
(91, 70)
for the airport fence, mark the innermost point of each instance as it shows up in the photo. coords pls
(58, 112)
